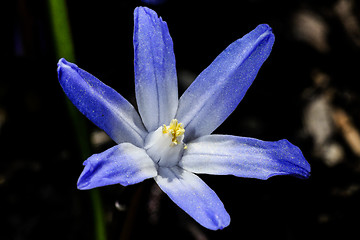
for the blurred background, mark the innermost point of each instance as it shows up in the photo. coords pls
(306, 92)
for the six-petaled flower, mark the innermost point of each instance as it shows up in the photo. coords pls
(169, 139)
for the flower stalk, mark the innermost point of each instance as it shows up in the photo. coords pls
(64, 48)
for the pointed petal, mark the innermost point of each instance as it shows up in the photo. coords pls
(191, 194)
(101, 104)
(244, 157)
(124, 163)
(217, 91)
(155, 72)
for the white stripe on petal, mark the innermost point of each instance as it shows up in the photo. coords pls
(217, 91)
(191, 194)
(123, 164)
(155, 71)
(244, 157)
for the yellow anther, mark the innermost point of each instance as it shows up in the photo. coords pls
(175, 130)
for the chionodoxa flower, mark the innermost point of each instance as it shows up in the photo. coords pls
(169, 139)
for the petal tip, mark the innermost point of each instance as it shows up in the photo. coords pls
(146, 14)
(84, 180)
(301, 167)
(265, 26)
(140, 11)
(82, 184)
(62, 63)
(224, 223)
(218, 222)
(265, 32)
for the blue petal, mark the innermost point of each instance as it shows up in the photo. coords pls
(244, 157)
(124, 163)
(101, 104)
(155, 72)
(191, 194)
(217, 91)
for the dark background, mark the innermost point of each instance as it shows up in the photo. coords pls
(306, 92)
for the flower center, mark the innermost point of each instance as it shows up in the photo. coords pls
(165, 145)
(175, 131)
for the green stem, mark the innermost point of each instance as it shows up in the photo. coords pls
(100, 231)
(64, 48)
(61, 29)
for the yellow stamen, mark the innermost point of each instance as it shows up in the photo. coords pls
(175, 130)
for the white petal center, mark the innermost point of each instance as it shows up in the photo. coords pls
(165, 145)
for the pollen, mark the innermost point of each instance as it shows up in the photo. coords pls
(175, 130)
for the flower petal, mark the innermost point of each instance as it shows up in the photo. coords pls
(101, 104)
(244, 157)
(217, 91)
(191, 194)
(124, 163)
(155, 72)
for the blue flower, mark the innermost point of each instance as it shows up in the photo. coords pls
(170, 139)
